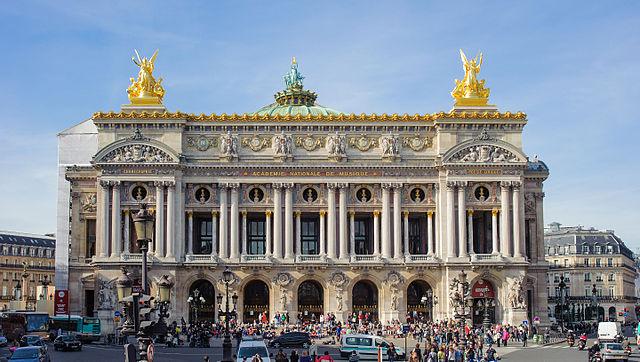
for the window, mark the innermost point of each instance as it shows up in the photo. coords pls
(609, 262)
(364, 244)
(566, 277)
(566, 263)
(556, 278)
(587, 292)
(599, 277)
(4, 290)
(612, 291)
(90, 239)
(548, 292)
(587, 277)
(612, 277)
(256, 236)
(358, 341)
(310, 236)
(204, 236)
(585, 262)
(597, 249)
(610, 249)
(585, 249)
(597, 262)
(555, 263)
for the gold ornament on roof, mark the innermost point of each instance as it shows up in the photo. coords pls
(146, 89)
(470, 91)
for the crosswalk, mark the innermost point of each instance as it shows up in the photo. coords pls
(555, 346)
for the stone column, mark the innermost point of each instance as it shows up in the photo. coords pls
(352, 233)
(397, 221)
(171, 219)
(494, 232)
(462, 220)
(331, 221)
(267, 222)
(322, 250)
(385, 221)
(451, 217)
(518, 246)
(505, 221)
(103, 217)
(430, 244)
(438, 241)
(344, 253)
(214, 232)
(245, 245)
(277, 221)
(470, 230)
(234, 224)
(222, 240)
(288, 222)
(127, 232)
(116, 221)
(189, 232)
(158, 245)
(298, 250)
(376, 232)
(405, 215)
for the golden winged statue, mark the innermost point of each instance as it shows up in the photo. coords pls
(470, 91)
(146, 89)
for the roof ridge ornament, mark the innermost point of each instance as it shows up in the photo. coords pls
(470, 91)
(293, 79)
(145, 90)
(483, 135)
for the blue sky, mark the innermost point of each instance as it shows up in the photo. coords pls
(572, 66)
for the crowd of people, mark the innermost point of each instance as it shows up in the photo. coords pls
(436, 341)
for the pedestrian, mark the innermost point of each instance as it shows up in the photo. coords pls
(524, 338)
(294, 357)
(391, 352)
(418, 352)
(281, 357)
(305, 357)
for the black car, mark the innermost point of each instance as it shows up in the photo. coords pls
(292, 339)
(67, 342)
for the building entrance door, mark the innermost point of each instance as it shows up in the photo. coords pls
(256, 301)
(310, 300)
(364, 297)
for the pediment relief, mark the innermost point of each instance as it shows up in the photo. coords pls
(484, 153)
(136, 149)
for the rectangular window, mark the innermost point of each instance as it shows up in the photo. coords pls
(90, 238)
(585, 262)
(566, 263)
(587, 277)
(611, 291)
(364, 244)
(609, 262)
(585, 249)
(610, 249)
(310, 236)
(587, 292)
(256, 236)
(555, 263)
(556, 278)
(203, 242)
(4, 290)
(597, 249)
(598, 263)
(566, 277)
(612, 277)
(598, 277)
(416, 243)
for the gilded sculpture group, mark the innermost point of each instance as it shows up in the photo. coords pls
(147, 90)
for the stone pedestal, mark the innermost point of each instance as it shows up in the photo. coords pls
(107, 326)
(515, 316)
(17, 305)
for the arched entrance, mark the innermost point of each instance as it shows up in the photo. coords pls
(484, 302)
(420, 300)
(310, 300)
(364, 298)
(256, 300)
(612, 314)
(200, 310)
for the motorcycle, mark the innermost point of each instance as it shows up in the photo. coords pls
(596, 357)
(571, 342)
(581, 344)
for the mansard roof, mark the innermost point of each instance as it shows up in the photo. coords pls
(584, 240)
(27, 239)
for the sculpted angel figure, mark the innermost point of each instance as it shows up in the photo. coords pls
(228, 145)
(470, 86)
(146, 86)
(282, 144)
(336, 145)
(293, 79)
(389, 146)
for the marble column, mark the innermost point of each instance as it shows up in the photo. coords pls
(450, 218)
(103, 220)
(462, 220)
(189, 232)
(234, 224)
(268, 235)
(397, 221)
(214, 232)
(288, 222)
(495, 249)
(116, 221)
(405, 237)
(518, 247)
(385, 221)
(298, 249)
(127, 232)
(331, 221)
(171, 219)
(352, 233)
(505, 220)
(158, 245)
(376, 232)
(245, 245)
(470, 231)
(430, 243)
(224, 212)
(344, 236)
(277, 221)
(437, 224)
(322, 250)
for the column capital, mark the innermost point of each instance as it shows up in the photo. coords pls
(332, 185)
(505, 184)
(461, 184)
(244, 213)
(105, 183)
(170, 184)
(276, 185)
(430, 213)
(352, 213)
(297, 213)
(343, 185)
(469, 212)
(268, 213)
(405, 213)
(323, 212)
(495, 211)
(516, 185)
(115, 182)
(214, 213)
(158, 183)
(190, 213)
(126, 212)
(288, 185)
(386, 185)
(451, 185)
(376, 213)
(397, 185)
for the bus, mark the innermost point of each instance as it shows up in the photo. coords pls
(87, 329)
(16, 324)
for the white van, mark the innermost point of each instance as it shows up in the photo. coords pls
(608, 331)
(249, 347)
(366, 346)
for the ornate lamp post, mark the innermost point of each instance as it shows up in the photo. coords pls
(428, 300)
(486, 303)
(462, 304)
(162, 303)
(143, 222)
(45, 286)
(195, 300)
(594, 302)
(18, 291)
(227, 278)
(563, 293)
(124, 287)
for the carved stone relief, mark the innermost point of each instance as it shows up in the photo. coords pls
(137, 153)
(256, 143)
(201, 143)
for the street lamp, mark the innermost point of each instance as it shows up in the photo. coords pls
(428, 301)
(486, 303)
(563, 293)
(164, 297)
(594, 301)
(227, 278)
(143, 222)
(195, 300)
(124, 288)
(463, 304)
(18, 291)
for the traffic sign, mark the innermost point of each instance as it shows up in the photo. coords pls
(405, 328)
(61, 302)
(116, 313)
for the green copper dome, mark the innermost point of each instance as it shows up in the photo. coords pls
(295, 100)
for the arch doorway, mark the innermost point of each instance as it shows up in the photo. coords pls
(310, 300)
(612, 314)
(200, 310)
(364, 298)
(256, 301)
(484, 302)
(420, 300)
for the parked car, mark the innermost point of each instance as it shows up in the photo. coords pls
(3, 341)
(366, 347)
(249, 348)
(30, 354)
(613, 352)
(292, 339)
(67, 342)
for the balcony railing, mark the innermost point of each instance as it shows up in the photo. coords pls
(486, 257)
(254, 258)
(308, 258)
(200, 257)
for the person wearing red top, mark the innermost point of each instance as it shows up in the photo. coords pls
(325, 357)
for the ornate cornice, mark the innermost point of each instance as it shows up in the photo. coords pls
(245, 117)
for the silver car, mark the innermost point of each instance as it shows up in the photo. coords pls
(613, 352)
